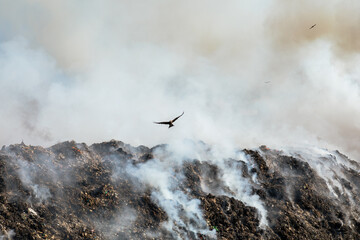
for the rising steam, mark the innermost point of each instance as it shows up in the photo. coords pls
(96, 71)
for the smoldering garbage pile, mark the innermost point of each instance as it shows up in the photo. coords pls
(112, 190)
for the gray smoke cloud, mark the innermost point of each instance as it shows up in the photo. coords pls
(96, 71)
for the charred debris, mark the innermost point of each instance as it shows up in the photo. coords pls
(75, 191)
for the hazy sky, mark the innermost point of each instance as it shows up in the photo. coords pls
(96, 70)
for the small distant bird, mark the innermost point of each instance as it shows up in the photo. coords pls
(267, 82)
(170, 123)
(312, 26)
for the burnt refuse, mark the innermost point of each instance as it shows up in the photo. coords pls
(112, 190)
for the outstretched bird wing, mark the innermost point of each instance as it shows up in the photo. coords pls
(177, 117)
(162, 122)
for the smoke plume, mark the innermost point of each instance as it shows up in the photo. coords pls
(245, 72)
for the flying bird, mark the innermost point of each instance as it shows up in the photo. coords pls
(312, 26)
(170, 123)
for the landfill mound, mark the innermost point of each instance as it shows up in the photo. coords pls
(112, 190)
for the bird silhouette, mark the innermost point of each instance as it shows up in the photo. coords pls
(312, 26)
(170, 123)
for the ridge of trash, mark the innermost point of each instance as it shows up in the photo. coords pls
(69, 191)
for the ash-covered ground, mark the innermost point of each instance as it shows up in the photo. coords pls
(112, 190)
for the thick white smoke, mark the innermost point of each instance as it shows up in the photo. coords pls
(122, 221)
(230, 173)
(100, 70)
(8, 235)
(164, 176)
(27, 173)
(328, 165)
